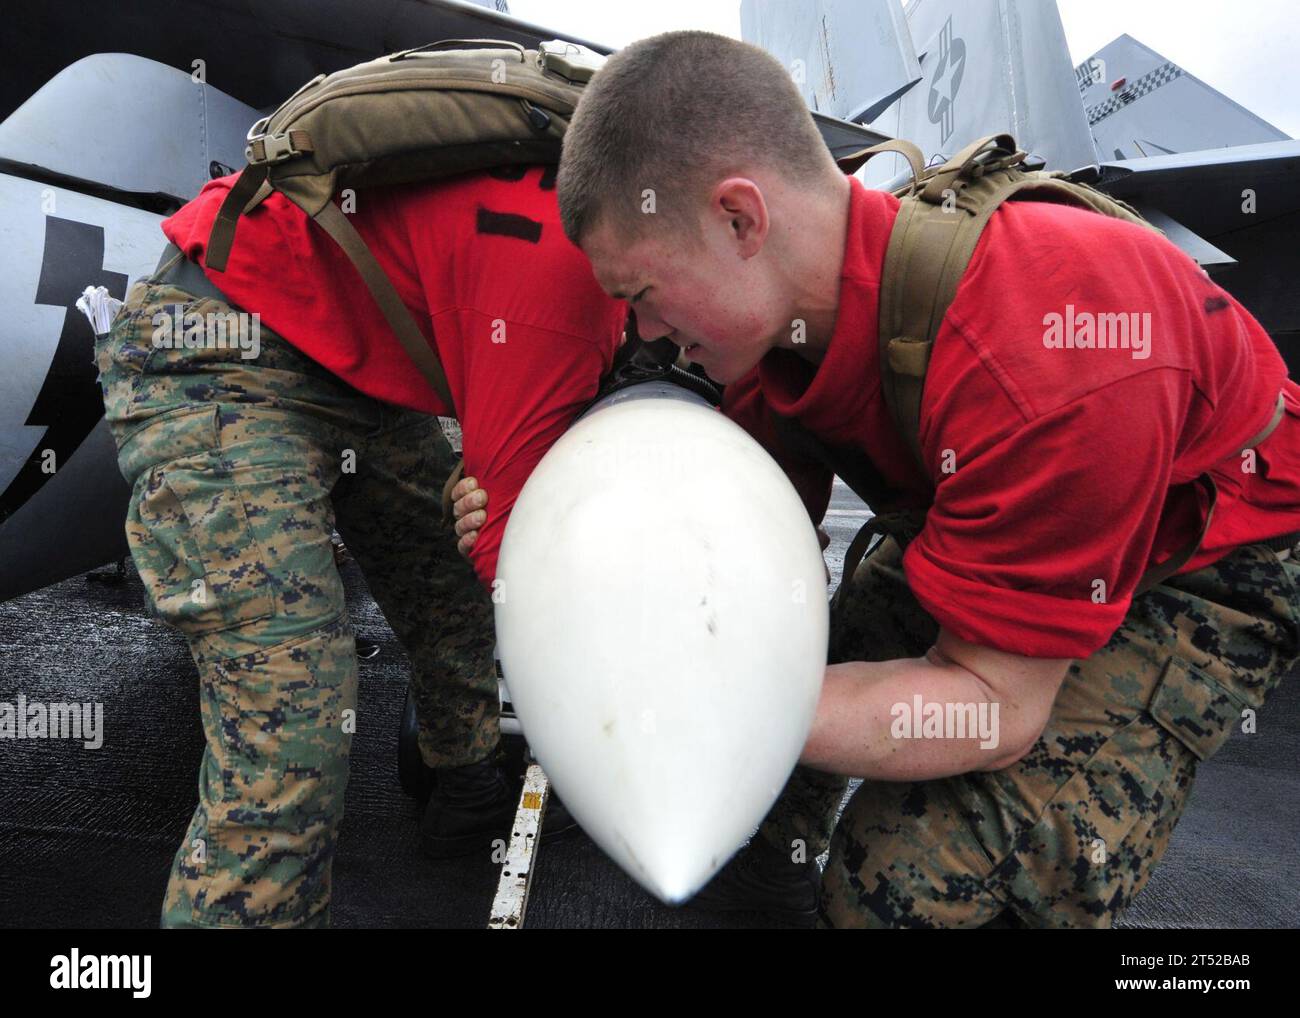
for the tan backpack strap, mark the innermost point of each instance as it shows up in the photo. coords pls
(1054, 186)
(336, 224)
(250, 184)
(1279, 408)
(929, 249)
(259, 196)
(992, 152)
(922, 244)
(1159, 573)
(853, 162)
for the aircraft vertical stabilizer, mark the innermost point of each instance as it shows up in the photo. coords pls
(1138, 105)
(850, 58)
(989, 66)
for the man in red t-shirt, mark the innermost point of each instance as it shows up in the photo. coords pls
(258, 408)
(1027, 725)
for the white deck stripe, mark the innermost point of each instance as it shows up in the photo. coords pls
(511, 902)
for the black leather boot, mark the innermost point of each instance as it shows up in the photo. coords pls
(762, 878)
(469, 807)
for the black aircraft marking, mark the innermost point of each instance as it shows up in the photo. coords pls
(70, 403)
(509, 224)
(1148, 83)
(951, 51)
(1091, 72)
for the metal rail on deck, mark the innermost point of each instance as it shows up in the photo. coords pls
(511, 900)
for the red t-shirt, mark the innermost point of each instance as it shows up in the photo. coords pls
(1051, 467)
(520, 325)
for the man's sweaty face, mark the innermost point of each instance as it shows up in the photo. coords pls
(682, 293)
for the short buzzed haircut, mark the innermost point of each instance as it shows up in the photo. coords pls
(667, 117)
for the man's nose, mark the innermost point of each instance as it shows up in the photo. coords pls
(650, 327)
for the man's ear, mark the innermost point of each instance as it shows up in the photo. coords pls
(738, 202)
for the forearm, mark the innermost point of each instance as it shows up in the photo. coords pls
(868, 724)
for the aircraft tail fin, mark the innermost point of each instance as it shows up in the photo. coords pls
(989, 66)
(1139, 104)
(850, 58)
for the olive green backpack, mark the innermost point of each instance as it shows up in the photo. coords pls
(943, 211)
(421, 114)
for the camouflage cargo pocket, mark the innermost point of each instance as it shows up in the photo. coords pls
(193, 545)
(1093, 846)
(184, 334)
(161, 330)
(120, 348)
(1195, 707)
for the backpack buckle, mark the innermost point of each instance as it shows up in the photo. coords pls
(993, 162)
(263, 148)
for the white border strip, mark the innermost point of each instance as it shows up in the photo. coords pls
(517, 871)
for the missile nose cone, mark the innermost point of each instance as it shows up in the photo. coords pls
(662, 624)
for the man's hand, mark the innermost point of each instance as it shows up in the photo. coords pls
(468, 506)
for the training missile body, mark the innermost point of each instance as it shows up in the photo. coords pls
(662, 623)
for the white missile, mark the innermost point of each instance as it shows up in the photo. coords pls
(662, 622)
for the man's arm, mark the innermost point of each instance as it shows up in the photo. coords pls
(867, 722)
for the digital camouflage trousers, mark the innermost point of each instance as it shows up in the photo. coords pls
(1069, 834)
(240, 468)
